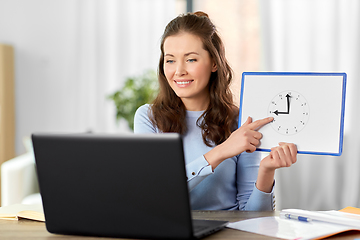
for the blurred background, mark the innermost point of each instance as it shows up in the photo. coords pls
(71, 56)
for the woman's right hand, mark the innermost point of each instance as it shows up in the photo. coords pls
(245, 138)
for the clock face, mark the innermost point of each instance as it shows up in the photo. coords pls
(290, 111)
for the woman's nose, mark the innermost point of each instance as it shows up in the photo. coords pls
(180, 70)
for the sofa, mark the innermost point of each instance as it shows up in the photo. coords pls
(18, 179)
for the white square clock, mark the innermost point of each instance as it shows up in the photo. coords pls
(308, 109)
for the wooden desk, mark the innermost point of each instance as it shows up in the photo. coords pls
(26, 229)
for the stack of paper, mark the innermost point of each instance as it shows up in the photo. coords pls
(302, 224)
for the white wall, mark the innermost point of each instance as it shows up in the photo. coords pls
(70, 54)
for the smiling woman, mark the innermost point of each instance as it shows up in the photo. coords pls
(188, 72)
(195, 100)
(195, 33)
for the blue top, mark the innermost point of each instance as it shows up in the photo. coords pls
(231, 186)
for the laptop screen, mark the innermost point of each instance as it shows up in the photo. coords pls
(114, 185)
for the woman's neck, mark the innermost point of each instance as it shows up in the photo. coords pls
(195, 105)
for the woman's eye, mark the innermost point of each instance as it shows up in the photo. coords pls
(169, 61)
(191, 60)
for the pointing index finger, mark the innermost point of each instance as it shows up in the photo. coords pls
(259, 123)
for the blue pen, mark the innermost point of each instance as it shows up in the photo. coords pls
(296, 217)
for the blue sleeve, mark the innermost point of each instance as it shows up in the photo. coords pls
(142, 122)
(249, 197)
(196, 171)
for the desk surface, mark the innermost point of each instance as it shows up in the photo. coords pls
(26, 229)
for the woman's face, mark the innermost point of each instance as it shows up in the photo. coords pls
(187, 68)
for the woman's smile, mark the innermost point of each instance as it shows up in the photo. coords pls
(183, 83)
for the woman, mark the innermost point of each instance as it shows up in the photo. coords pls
(224, 172)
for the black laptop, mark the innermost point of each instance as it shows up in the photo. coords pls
(126, 186)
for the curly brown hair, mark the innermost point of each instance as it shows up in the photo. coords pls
(168, 112)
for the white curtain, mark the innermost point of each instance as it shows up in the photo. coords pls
(116, 39)
(317, 36)
(71, 54)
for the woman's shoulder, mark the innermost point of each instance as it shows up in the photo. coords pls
(142, 121)
(143, 112)
(143, 109)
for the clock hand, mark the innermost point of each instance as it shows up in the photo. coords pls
(277, 112)
(288, 106)
(288, 103)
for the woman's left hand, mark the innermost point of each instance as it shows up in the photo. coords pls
(283, 155)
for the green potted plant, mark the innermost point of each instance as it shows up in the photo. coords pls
(136, 91)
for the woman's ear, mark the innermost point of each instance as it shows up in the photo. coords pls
(214, 67)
